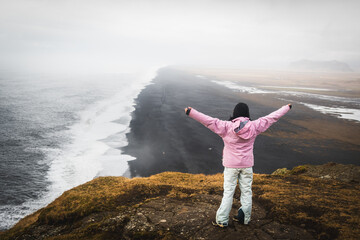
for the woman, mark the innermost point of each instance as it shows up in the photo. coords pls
(239, 135)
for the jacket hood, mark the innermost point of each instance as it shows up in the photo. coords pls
(243, 128)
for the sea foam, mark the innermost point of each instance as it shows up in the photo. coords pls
(93, 149)
(96, 141)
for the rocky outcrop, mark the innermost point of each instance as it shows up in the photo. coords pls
(341, 172)
(181, 206)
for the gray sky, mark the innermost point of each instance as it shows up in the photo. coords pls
(113, 35)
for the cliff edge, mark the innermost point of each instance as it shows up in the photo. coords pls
(287, 205)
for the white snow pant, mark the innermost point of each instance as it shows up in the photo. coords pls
(231, 175)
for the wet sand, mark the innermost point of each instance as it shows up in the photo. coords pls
(163, 138)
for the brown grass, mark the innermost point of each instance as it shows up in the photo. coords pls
(330, 207)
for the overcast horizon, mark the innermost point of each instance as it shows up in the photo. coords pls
(113, 36)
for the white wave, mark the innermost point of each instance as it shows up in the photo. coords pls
(344, 113)
(10, 214)
(92, 151)
(96, 139)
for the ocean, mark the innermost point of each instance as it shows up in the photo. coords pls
(57, 132)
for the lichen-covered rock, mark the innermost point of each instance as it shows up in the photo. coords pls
(341, 172)
(280, 171)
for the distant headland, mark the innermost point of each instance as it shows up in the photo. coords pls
(320, 66)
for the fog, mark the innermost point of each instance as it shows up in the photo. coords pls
(117, 35)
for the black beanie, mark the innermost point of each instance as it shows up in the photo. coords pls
(240, 110)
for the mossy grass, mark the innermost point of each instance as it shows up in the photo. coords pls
(329, 207)
(299, 170)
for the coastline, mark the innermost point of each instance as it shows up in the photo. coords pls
(73, 139)
(162, 138)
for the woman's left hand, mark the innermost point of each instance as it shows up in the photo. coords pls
(187, 110)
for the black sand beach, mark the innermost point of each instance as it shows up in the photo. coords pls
(163, 138)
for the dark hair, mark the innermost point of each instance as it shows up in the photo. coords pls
(240, 110)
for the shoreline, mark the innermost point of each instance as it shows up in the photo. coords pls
(163, 138)
(80, 141)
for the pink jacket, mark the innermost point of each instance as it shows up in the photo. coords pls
(238, 135)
